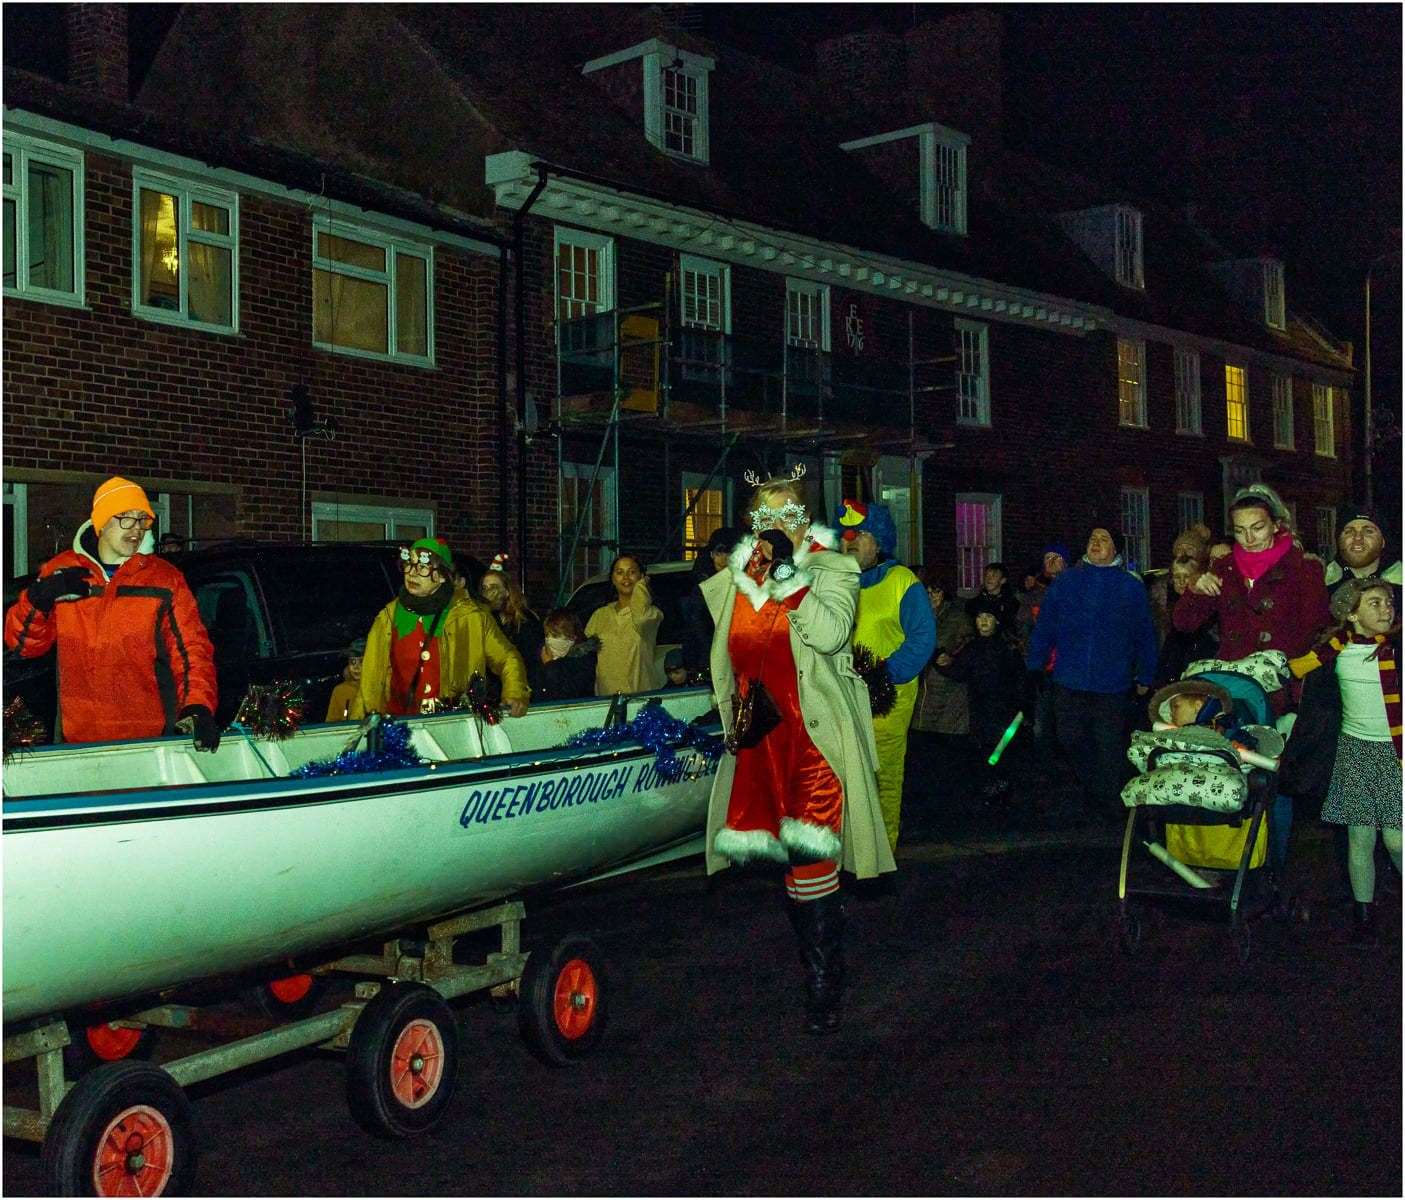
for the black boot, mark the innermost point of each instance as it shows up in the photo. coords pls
(819, 928)
(1364, 934)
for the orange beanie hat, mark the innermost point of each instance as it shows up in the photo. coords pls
(118, 495)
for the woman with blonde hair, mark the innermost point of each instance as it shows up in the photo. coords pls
(509, 606)
(799, 788)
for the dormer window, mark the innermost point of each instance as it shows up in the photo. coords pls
(941, 171)
(1112, 237)
(1274, 314)
(675, 95)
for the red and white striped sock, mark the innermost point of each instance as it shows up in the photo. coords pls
(812, 880)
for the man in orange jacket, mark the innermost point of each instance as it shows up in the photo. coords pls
(134, 659)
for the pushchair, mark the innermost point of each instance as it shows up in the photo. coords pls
(1199, 805)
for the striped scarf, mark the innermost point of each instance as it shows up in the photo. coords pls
(1387, 659)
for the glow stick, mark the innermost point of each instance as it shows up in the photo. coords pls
(1010, 731)
(1191, 877)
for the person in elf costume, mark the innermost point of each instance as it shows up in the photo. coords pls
(799, 786)
(895, 625)
(427, 644)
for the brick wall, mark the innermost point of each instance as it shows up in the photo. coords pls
(99, 391)
(97, 49)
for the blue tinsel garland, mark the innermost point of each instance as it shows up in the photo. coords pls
(395, 754)
(655, 730)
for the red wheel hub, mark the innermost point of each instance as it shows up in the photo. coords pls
(135, 1154)
(112, 1042)
(290, 990)
(574, 1001)
(417, 1063)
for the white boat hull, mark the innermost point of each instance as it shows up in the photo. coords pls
(123, 894)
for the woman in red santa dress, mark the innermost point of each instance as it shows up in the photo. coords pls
(800, 786)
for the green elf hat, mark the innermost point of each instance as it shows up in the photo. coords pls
(436, 547)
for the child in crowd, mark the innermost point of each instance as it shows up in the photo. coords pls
(564, 667)
(345, 704)
(1363, 711)
(675, 668)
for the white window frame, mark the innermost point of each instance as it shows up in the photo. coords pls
(1136, 419)
(592, 243)
(707, 266)
(1324, 425)
(898, 484)
(1244, 377)
(187, 192)
(1190, 510)
(22, 151)
(1127, 247)
(390, 516)
(610, 525)
(1325, 526)
(1187, 374)
(981, 399)
(934, 141)
(697, 68)
(1136, 528)
(392, 244)
(819, 293)
(969, 581)
(694, 480)
(1283, 412)
(1275, 308)
(17, 498)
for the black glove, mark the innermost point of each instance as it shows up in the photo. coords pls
(200, 720)
(64, 584)
(782, 553)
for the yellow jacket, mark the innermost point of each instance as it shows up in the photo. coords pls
(470, 643)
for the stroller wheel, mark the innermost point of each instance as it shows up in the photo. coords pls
(1130, 929)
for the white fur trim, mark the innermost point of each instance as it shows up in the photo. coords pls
(810, 838)
(748, 845)
(758, 594)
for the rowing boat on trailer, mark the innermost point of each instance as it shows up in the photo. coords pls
(135, 867)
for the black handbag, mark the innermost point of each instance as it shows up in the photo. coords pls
(754, 715)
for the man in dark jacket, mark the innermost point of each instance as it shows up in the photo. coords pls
(1097, 620)
(1361, 551)
(697, 623)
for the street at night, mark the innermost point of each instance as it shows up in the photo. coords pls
(997, 1040)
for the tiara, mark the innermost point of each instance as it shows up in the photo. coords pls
(797, 473)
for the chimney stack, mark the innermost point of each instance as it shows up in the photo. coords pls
(866, 67)
(97, 49)
(955, 73)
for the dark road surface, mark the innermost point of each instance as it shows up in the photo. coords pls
(996, 1041)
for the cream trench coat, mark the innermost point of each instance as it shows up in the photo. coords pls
(833, 698)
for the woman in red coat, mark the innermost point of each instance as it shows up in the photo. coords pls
(1269, 595)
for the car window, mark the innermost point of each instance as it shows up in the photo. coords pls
(230, 614)
(319, 603)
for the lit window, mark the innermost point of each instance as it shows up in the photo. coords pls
(977, 537)
(1283, 412)
(372, 295)
(706, 513)
(1324, 439)
(1129, 247)
(1187, 368)
(807, 314)
(1131, 382)
(1190, 509)
(184, 246)
(1274, 315)
(1136, 528)
(43, 221)
(972, 373)
(1236, 399)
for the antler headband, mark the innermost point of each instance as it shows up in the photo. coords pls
(797, 473)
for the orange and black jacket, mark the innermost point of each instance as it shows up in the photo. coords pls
(130, 657)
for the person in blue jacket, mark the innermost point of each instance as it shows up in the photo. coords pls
(895, 624)
(1097, 621)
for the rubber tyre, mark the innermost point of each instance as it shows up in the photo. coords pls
(294, 1002)
(118, 1110)
(388, 1094)
(1130, 929)
(93, 1045)
(563, 1001)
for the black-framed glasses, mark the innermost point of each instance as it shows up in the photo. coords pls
(141, 522)
(419, 562)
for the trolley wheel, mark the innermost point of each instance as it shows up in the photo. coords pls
(286, 999)
(105, 1042)
(561, 1007)
(402, 1061)
(1130, 929)
(123, 1130)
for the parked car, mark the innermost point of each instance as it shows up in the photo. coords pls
(669, 582)
(274, 612)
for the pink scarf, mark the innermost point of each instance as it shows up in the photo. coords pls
(1253, 564)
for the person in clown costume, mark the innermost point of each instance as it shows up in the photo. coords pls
(799, 786)
(428, 643)
(894, 624)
